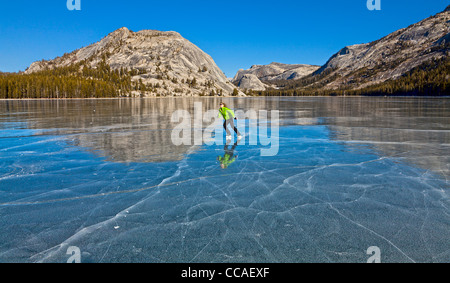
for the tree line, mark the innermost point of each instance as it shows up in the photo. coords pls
(75, 81)
(80, 80)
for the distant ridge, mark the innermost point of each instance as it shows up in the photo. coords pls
(421, 46)
(258, 77)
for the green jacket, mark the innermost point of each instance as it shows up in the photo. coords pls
(226, 161)
(226, 113)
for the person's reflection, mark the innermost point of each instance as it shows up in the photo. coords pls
(228, 158)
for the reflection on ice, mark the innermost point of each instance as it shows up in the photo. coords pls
(350, 174)
(229, 157)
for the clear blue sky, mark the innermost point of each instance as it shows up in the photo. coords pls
(237, 34)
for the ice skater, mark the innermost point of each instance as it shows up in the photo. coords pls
(229, 117)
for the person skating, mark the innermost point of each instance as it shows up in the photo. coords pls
(229, 117)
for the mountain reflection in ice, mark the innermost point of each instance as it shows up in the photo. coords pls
(104, 175)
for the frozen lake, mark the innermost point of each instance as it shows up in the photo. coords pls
(105, 177)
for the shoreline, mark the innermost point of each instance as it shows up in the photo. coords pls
(225, 97)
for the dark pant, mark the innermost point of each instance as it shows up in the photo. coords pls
(231, 122)
(230, 152)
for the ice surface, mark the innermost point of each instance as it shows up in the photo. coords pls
(104, 176)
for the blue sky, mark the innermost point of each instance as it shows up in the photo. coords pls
(237, 34)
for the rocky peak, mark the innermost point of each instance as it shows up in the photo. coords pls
(121, 32)
(262, 74)
(251, 82)
(361, 65)
(165, 59)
